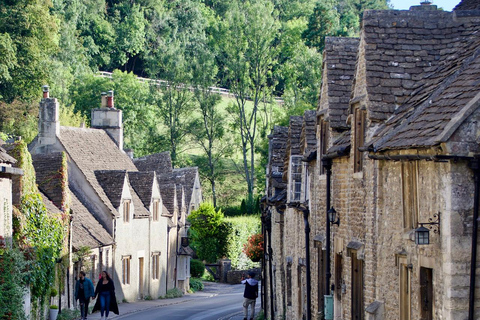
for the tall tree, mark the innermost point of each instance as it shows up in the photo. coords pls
(28, 37)
(249, 54)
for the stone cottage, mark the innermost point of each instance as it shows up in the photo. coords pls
(7, 173)
(393, 202)
(111, 202)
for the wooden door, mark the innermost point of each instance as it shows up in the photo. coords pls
(140, 278)
(426, 293)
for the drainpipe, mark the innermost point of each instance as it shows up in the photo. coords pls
(327, 165)
(263, 292)
(270, 269)
(475, 166)
(306, 212)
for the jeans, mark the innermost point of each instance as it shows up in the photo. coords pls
(84, 307)
(249, 302)
(105, 303)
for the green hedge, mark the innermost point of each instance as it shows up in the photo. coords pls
(196, 284)
(242, 227)
(197, 268)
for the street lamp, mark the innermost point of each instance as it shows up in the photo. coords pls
(332, 216)
(422, 234)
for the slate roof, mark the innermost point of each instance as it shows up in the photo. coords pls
(341, 146)
(186, 177)
(400, 48)
(441, 101)
(86, 230)
(92, 150)
(278, 146)
(5, 157)
(309, 137)
(161, 163)
(167, 191)
(468, 5)
(142, 183)
(48, 174)
(339, 60)
(112, 182)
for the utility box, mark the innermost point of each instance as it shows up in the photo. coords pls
(328, 307)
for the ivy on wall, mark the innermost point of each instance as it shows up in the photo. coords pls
(39, 234)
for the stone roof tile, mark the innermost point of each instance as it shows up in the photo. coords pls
(142, 183)
(48, 173)
(161, 163)
(91, 150)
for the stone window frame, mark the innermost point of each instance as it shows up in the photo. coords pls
(127, 210)
(156, 209)
(126, 269)
(155, 265)
(295, 179)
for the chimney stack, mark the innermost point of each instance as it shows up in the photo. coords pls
(109, 119)
(110, 99)
(45, 90)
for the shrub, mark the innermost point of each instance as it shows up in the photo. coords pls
(196, 284)
(173, 293)
(197, 268)
(254, 247)
(242, 228)
(53, 306)
(12, 264)
(68, 314)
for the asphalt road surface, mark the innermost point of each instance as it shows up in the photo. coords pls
(224, 303)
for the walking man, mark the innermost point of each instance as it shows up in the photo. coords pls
(83, 292)
(250, 295)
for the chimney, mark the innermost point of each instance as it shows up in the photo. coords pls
(425, 5)
(109, 119)
(48, 122)
(129, 153)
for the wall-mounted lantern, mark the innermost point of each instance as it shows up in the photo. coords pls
(332, 216)
(422, 234)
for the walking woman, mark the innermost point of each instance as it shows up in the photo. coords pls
(106, 301)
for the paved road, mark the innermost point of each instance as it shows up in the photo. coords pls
(215, 302)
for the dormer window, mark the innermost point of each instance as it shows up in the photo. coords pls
(126, 210)
(295, 179)
(156, 210)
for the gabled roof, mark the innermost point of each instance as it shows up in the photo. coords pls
(49, 205)
(339, 61)
(444, 99)
(142, 183)
(86, 230)
(92, 150)
(400, 48)
(294, 135)
(309, 137)
(112, 182)
(186, 177)
(161, 163)
(168, 192)
(48, 172)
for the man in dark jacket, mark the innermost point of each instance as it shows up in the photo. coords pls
(83, 292)
(250, 295)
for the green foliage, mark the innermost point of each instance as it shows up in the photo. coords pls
(28, 38)
(12, 284)
(68, 314)
(196, 284)
(208, 232)
(242, 228)
(197, 268)
(172, 293)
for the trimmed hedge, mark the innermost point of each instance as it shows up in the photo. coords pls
(242, 228)
(197, 268)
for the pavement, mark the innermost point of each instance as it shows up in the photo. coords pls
(211, 289)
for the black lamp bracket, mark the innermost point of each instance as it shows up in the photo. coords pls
(433, 223)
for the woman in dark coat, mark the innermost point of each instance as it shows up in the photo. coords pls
(106, 301)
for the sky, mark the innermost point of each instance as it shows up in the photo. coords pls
(447, 5)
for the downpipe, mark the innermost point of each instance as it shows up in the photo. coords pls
(306, 213)
(475, 166)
